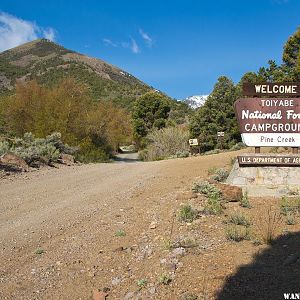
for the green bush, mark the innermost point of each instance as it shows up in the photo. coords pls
(211, 170)
(207, 189)
(182, 154)
(214, 205)
(4, 147)
(239, 219)
(288, 206)
(187, 213)
(220, 175)
(245, 201)
(165, 279)
(237, 233)
(36, 150)
(237, 146)
(120, 233)
(89, 152)
(215, 151)
(290, 219)
(142, 282)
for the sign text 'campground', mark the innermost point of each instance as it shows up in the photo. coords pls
(269, 121)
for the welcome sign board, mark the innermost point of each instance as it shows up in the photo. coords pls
(290, 89)
(269, 122)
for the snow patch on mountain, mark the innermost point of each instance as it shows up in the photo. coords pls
(196, 101)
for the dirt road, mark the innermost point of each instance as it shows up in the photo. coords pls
(66, 232)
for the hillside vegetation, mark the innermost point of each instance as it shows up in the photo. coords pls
(48, 63)
(96, 127)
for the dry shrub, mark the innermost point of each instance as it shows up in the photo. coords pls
(166, 142)
(97, 127)
(269, 225)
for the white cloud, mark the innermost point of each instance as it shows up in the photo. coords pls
(49, 34)
(15, 31)
(108, 42)
(148, 40)
(134, 46)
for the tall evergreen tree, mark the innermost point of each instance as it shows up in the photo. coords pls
(150, 111)
(290, 55)
(217, 114)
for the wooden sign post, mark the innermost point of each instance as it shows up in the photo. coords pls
(194, 144)
(220, 137)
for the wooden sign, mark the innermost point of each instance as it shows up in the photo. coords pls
(193, 142)
(279, 160)
(271, 122)
(290, 89)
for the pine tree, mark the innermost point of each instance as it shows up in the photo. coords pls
(217, 114)
(150, 111)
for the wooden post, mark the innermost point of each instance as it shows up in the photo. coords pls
(257, 149)
(295, 150)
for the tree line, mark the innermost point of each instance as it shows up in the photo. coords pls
(217, 114)
(97, 128)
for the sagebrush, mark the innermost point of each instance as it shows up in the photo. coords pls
(36, 150)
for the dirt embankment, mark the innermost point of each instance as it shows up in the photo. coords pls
(69, 231)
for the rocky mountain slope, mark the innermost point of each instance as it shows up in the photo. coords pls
(48, 62)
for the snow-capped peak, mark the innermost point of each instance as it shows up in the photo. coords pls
(195, 101)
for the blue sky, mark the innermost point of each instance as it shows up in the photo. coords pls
(179, 47)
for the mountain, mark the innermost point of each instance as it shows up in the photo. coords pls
(48, 62)
(196, 101)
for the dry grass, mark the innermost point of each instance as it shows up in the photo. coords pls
(269, 225)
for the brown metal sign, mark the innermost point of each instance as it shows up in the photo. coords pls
(269, 160)
(290, 89)
(269, 121)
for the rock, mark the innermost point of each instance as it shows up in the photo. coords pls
(119, 249)
(116, 281)
(231, 193)
(67, 159)
(152, 225)
(152, 290)
(10, 160)
(129, 296)
(178, 251)
(99, 295)
(128, 249)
